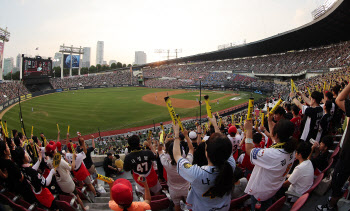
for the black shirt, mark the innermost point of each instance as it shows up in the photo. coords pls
(34, 178)
(87, 161)
(345, 150)
(140, 161)
(14, 173)
(313, 119)
(107, 162)
(321, 161)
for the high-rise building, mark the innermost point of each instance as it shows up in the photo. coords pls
(140, 57)
(18, 60)
(86, 57)
(57, 60)
(8, 65)
(104, 63)
(99, 52)
(112, 61)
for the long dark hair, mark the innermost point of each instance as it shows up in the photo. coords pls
(2, 148)
(284, 130)
(171, 154)
(219, 149)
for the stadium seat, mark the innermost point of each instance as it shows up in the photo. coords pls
(160, 204)
(71, 200)
(5, 200)
(63, 205)
(336, 151)
(317, 181)
(300, 202)
(238, 202)
(330, 162)
(277, 205)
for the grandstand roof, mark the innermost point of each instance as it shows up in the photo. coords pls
(332, 27)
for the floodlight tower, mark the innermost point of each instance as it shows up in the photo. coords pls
(5, 37)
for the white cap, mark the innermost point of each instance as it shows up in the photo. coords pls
(192, 135)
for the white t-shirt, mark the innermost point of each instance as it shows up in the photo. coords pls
(302, 177)
(63, 178)
(202, 179)
(78, 160)
(271, 168)
(175, 181)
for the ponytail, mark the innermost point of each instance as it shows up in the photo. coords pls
(125, 207)
(223, 182)
(219, 150)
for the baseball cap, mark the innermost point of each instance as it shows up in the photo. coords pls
(50, 147)
(59, 146)
(232, 130)
(122, 192)
(69, 146)
(192, 135)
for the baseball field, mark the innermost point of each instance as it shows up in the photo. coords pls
(112, 109)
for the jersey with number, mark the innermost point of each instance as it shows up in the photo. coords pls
(312, 123)
(234, 142)
(202, 179)
(63, 178)
(323, 127)
(271, 168)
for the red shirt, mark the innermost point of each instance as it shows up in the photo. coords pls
(296, 121)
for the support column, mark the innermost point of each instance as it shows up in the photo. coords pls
(70, 69)
(62, 63)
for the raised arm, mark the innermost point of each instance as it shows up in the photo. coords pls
(340, 100)
(214, 123)
(306, 99)
(58, 136)
(199, 135)
(295, 100)
(93, 142)
(189, 142)
(176, 148)
(248, 126)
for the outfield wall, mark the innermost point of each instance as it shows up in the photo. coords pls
(8, 103)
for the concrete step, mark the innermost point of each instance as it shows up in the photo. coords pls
(102, 199)
(105, 194)
(98, 206)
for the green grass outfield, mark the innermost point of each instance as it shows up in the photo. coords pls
(105, 108)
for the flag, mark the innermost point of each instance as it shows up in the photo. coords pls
(37, 48)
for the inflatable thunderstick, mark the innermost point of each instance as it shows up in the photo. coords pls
(208, 107)
(172, 113)
(272, 111)
(250, 108)
(103, 178)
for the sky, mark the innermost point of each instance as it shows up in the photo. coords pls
(145, 25)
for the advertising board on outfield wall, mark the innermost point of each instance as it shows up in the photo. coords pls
(35, 94)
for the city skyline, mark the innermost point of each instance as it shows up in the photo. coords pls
(195, 27)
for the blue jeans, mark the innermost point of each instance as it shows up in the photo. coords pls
(264, 204)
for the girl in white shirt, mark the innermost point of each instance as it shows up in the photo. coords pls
(271, 164)
(178, 186)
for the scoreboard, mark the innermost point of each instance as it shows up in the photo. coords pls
(36, 67)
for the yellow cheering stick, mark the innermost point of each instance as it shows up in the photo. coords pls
(105, 179)
(32, 132)
(72, 146)
(162, 126)
(68, 129)
(170, 109)
(324, 86)
(6, 131)
(149, 134)
(293, 85)
(276, 106)
(3, 128)
(262, 118)
(308, 91)
(208, 107)
(250, 108)
(58, 128)
(161, 138)
(169, 131)
(179, 122)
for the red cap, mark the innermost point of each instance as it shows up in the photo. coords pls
(232, 130)
(52, 142)
(69, 146)
(50, 147)
(122, 192)
(59, 146)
